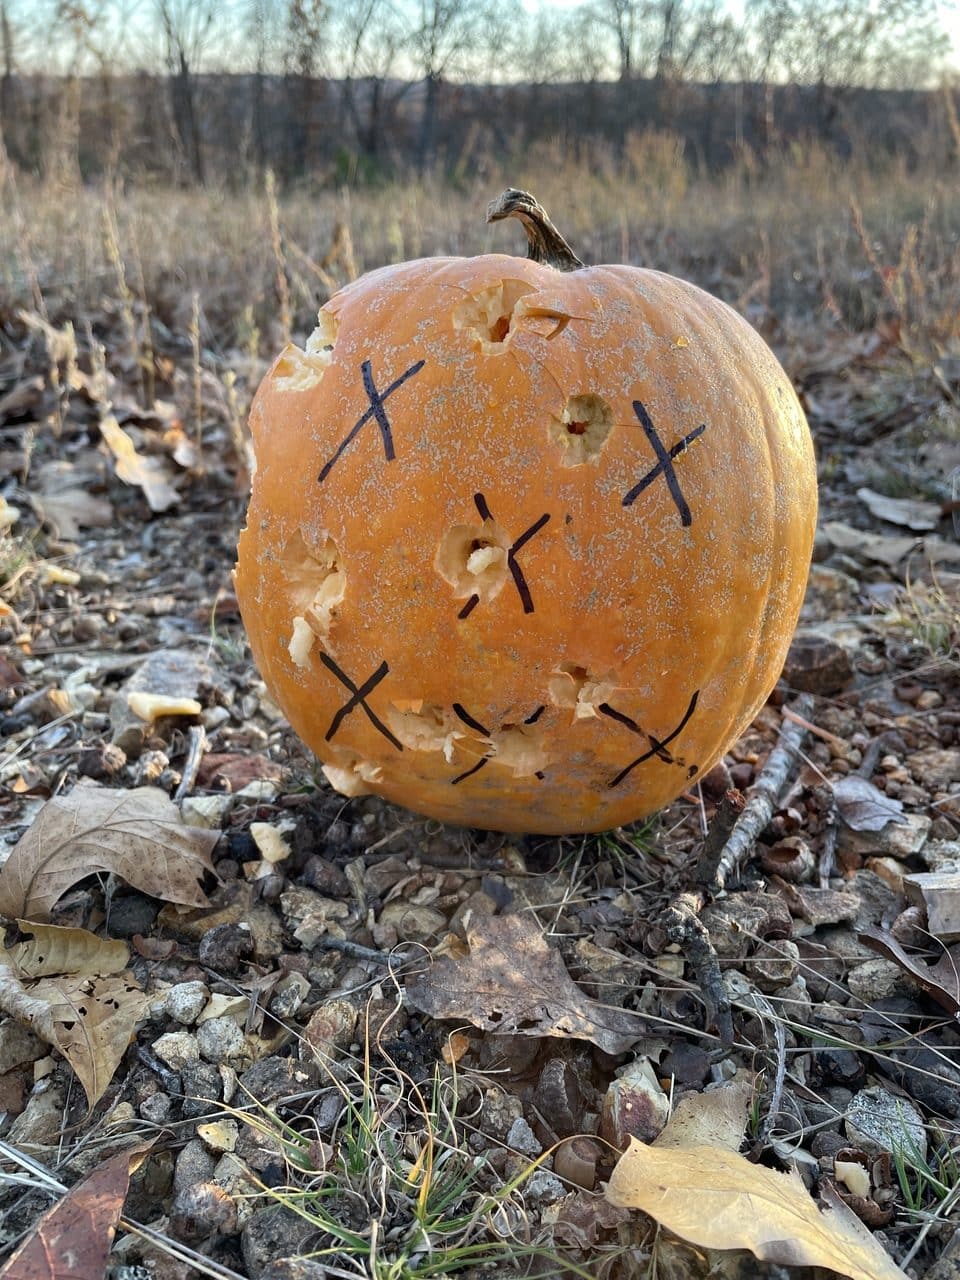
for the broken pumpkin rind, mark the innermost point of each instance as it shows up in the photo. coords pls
(656, 560)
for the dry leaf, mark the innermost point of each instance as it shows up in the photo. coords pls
(941, 981)
(65, 985)
(55, 949)
(911, 512)
(872, 546)
(72, 1240)
(136, 834)
(63, 503)
(864, 807)
(152, 475)
(514, 983)
(717, 1199)
(716, 1118)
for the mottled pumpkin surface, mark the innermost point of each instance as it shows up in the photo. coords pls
(525, 549)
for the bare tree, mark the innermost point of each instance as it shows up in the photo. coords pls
(186, 27)
(371, 35)
(441, 42)
(305, 36)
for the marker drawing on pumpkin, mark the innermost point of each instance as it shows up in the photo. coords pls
(510, 745)
(519, 581)
(658, 746)
(358, 696)
(377, 411)
(664, 465)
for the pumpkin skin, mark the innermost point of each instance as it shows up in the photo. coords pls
(525, 548)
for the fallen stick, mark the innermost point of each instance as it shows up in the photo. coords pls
(761, 801)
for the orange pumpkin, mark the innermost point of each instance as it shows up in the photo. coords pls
(528, 540)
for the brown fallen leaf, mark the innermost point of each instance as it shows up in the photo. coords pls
(152, 475)
(863, 806)
(136, 834)
(717, 1199)
(66, 986)
(64, 503)
(72, 1240)
(941, 981)
(717, 1118)
(514, 983)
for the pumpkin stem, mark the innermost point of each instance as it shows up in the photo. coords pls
(544, 242)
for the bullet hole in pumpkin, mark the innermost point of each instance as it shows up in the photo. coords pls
(473, 559)
(302, 369)
(488, 316)
(424, 726)
(577, 689)
(582, 429)
(318, 584)
(353, 776)
(520, 748)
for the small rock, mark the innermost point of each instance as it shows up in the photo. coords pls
(156, 1108)
(331, 1027)
(271, 1233)
(827, 1144)
(203, 1210)
(225, 946)
(878, 1121)
(185, 1001)
(220, 1039)
(543, 1187)
(176, 1049)
(275, 1077)
(817, 664)
(325, 877)
(289, 995)
(634, 1105)
(207, 811)
(219, 1136)
(132, 913)
(878, 979)
(839, 1066)
(900, 839)
(941, 855)
(522, 1138)
(194, 1164)
(202, 1089)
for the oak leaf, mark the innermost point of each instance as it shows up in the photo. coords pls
(513, 982)
(137, 834)
(66, 986)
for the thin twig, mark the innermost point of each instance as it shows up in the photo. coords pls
(764, 793)
(196, 741)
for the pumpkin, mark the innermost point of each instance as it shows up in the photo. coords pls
(527, 540)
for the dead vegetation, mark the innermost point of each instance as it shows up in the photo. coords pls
(386, 1048)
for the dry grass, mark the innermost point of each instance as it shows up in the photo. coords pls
(779, 238)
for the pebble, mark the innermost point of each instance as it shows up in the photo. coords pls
(176, 1049)
(220, 1039)
(186, 1001)
(194, 1164)
(878, 1120)
(522, 1138)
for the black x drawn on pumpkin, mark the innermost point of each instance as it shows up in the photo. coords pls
(658, 747)
(519, 580)
(664, 465)
(377, 411)
(463, 714)
(358, 699)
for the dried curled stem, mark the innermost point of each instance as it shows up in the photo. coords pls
(544, 242)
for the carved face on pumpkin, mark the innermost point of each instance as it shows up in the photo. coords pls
(526, 548)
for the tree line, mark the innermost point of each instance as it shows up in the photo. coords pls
(188, 89)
